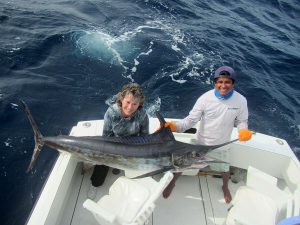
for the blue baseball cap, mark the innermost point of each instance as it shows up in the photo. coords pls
(225, 71)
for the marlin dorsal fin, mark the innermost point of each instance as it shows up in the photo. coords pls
(165, 132)
(160, 118)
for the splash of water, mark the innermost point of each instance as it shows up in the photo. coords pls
(154, 107)
(137, 48)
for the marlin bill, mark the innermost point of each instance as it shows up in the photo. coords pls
(154, 153)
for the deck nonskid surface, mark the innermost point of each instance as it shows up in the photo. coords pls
(195, 200)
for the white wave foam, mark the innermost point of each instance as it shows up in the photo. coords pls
(7, 143)
(154, 107)
(115, 49)
(136, 62)
(127, 51)
(180, 81)
(100, 45)
(14, 106)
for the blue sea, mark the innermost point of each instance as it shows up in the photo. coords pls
(65, 58)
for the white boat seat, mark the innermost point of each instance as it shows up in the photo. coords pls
(252, 208)
(129, 202)
(260, 202)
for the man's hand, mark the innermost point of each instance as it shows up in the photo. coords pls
(245, 135)
(169, 124)
(172, 126)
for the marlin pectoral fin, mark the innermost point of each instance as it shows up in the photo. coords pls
(229, 142)
(155, 172)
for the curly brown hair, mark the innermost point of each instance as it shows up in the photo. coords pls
(133, 89)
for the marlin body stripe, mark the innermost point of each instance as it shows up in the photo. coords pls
(154, 153)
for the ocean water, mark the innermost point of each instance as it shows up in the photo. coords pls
(65, 58)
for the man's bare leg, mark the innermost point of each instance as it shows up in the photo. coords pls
(226, 192)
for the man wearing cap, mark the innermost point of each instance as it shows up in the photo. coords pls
(218, 111)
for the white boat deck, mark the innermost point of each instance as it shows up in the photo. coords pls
(196, 200)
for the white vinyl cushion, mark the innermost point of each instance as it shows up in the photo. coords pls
(260, 201)
(296, 201)
(252, 208)
(259, 180)
(125, 199)
(267, 185)
(129, 202)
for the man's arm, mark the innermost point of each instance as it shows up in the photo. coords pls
(242, 118)
(194, 116)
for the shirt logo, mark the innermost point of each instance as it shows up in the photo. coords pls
(233, 108)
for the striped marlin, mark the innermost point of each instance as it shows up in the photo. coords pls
(151, 154)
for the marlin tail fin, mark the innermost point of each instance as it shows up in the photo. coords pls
(38, 137)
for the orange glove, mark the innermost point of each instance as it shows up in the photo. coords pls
(172, 126)
(245, 135)
(169, 124)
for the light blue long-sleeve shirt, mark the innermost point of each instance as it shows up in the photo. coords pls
(117, 125)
